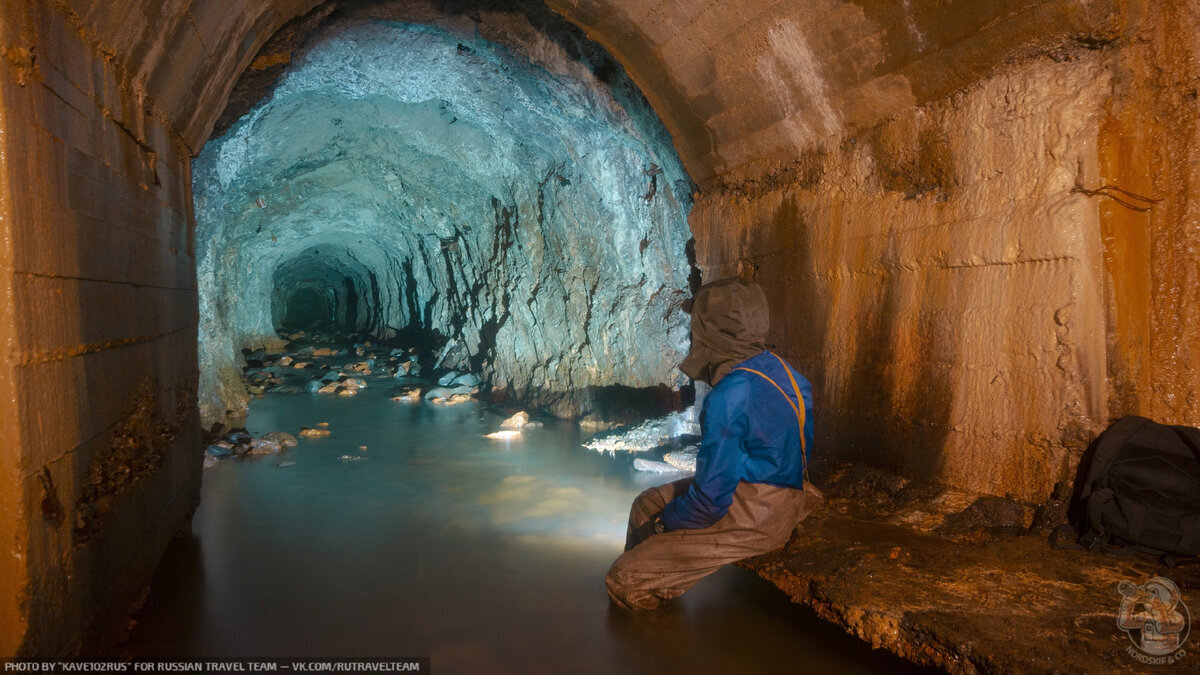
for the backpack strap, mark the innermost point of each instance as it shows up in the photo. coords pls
(799, 410)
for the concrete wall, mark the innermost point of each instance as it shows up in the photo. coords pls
(938, 280)
(1149, 142)
(99, 460)
(743, 86)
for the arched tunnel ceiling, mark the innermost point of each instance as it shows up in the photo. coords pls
(504, 195)
(742, 84)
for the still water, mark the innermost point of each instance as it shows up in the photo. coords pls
(486, 556)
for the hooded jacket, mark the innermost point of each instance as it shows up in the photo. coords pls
(749, 430)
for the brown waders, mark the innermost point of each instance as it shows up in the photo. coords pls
(760, 520)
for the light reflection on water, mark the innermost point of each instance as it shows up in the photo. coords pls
(485, 555)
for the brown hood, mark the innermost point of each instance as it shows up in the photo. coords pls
(729, 325)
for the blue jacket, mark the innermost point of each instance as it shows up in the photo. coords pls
(749, 433)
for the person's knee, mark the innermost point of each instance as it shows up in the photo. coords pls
(630, 596)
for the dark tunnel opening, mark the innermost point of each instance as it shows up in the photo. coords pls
(308, 306)
(324, 288)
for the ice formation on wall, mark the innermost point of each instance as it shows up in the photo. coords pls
(521, 198)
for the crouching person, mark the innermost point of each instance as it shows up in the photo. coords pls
(749, 491)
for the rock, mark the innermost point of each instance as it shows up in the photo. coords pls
(408, 395)
(307, 432)
(443, 394)
(517, 421)
(354, 383)
(261, 446)
(323, 425)
(284, 439)
(992, 515)
(301, 365)
(594, 423)
(323, 351)
(503, 434)
(238, 436)
(331, 376)
(210, 461)
(465, 380)
(285, 361)
(451, 400)
(328, 389)
(313, 387)
(1055, 511)
(447, 379)
(285, 464)
(219, 451)
(347, 391)
(651, 466)
(275, 345)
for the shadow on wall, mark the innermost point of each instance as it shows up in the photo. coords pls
(899, 398)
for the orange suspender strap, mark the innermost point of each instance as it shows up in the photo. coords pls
(798, 410)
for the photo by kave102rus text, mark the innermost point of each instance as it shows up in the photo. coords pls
(399, 665)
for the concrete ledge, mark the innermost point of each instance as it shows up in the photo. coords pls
(970, 602)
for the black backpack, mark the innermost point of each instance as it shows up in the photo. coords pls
(1139, 485)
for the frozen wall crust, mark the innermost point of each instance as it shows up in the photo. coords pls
(939, 281)
(503, 195)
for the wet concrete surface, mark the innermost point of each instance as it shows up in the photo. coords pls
(882, 565)
(486, 556)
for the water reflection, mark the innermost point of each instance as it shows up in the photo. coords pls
(485, 555)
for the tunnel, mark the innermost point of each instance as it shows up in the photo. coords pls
(517, 197)
(974, 225)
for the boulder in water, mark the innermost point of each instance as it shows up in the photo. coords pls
(408, 396)
(444, 394)
(283, 438)
(503, 434)
(516, 422)
(261, 446)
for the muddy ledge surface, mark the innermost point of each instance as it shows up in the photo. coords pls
(967, 584)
